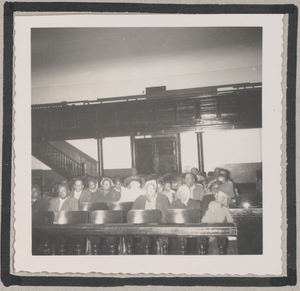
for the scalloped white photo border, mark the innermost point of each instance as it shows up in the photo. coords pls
(267, 264)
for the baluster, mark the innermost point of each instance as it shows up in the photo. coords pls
(128, 245)
(222, 245)
(62, 247)
(183, 244)
(164, 244)
(202, 245)
(46, 248)
(112, 244)
(94, 246)
(78, 248)
(146, 244)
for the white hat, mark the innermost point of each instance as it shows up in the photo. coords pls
(151, 182)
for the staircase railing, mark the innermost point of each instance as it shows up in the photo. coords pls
(57, 160)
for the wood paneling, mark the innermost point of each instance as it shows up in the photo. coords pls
(174, 111)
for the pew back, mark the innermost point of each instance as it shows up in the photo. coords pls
(105, 217)
(42, 217)
(71, 217)
(144, 216)
(183, 216)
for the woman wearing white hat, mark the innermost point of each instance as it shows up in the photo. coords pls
(152, 200)
(106, 194)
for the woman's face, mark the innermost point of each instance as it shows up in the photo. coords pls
(92, 185)
(183, 196)
(106, 185)
(151, 191)
(168, 186)
(222, 198)
(160, 188)
(118, 184)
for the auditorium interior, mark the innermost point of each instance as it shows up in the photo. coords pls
(155, 106)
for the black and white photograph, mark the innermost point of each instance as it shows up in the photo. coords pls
(150, 141)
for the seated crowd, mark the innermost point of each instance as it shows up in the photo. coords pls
(212, 195)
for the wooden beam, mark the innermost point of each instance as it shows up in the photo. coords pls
(179, 153)
(200, 151)
(100, 156)
(190, 230)
(132, 146)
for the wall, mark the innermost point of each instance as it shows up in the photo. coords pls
(189, 151)
(239, 151)
(38, 165)
(231, 147)
(117, 154)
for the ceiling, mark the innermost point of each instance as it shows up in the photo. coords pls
(57, 47)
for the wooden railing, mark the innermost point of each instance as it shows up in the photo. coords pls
(227, 107)
(57, 160)
(120, 236)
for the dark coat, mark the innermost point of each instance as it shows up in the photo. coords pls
(40, 204)
(85, 196)
(70, 204)
(205, 202)
(192, 204)
(198, 192)
(100, 196)
(162, 204)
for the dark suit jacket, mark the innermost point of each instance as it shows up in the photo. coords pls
(198, 192)
(192, 204)
(85, 196)
(112, 196)
(40, 204)
(205, 203)
(70, 204)
(162, 203)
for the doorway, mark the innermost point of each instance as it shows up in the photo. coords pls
(157, 155)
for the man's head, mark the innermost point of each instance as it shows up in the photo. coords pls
(222, 178)
(189, 179)
(78, 185)
(160, 187)
(222, 198)
(63, 190)
(118, 183)
(134, 171)
(168, 186)
(92, 184)
(184, 193)
(194, 171)
(224, 172)
(106, 184)
(150, 188)
(135, 184)
(217, 171)
(214, 187)
(35, 191)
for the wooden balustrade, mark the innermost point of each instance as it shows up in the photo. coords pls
(119, 237)
(57, 160)
(227, 106)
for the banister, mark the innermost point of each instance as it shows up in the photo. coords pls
(57, 150)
